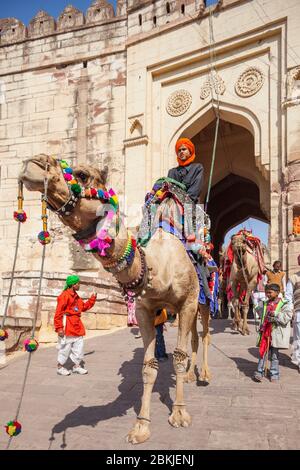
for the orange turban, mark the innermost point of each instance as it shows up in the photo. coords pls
(189, 144)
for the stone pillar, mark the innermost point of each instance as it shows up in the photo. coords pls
(82, 116)
(135, 188)
(292, 171)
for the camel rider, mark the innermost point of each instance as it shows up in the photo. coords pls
(191, 175)
(187, 172)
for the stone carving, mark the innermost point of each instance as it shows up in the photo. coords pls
(136, 131)
(12, 30)
(216, 82)
(249, 82)
(178, 102)
(99, 10)
(136, 125)
(69, 18)
(293, 87)
(41, 25)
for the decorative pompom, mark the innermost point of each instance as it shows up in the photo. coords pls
(64, 164)
(88, 192)
(13, 428)
(44, 237)
(73, 181)
(76, 188)
(31, 344)
(69, 170)
(93, 192)
(20, 216)
(3, 335)
(100, 193)
(68, 177)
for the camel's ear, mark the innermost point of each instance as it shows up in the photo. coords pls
(103, 174)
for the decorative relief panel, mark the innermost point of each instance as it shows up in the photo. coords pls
(136, 131)
(215, 82)
(178, 102)
(249, 82)
(293, 87)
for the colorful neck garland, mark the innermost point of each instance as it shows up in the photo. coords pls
(103, 239)
(125, 260)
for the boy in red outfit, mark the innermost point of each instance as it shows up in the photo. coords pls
(69, 326)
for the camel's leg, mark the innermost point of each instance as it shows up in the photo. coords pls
(179, 416)
(141, 431)
(236, 312)
(190, 375)
(245, 308)
(235, 304)
(220, 308)
(205, 375)
(230, 308)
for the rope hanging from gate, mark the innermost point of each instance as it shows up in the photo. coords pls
(216, 111)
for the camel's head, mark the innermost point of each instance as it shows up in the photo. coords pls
(81, 213)
(239, 242)
(34, 171)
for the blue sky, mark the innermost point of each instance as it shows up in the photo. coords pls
(259, 229)
(25, 10)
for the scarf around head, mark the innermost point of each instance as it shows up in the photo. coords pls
(71, 281)
(189, 144)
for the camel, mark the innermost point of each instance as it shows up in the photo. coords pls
(244, 272)
(160, 278)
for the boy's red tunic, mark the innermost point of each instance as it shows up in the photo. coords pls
(70, 304)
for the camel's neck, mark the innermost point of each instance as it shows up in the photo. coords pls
(121, 255)
(116, 256)
(240, 258)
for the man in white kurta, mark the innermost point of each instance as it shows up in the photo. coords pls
(292, 294)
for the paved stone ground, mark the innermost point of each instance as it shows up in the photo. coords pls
(96, 411)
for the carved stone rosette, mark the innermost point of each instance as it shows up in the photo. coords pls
(249, 82)
(215, 82)
(178, 102)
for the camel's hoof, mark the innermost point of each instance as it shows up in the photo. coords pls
(180, 417)
(140, 433)
(205, 375)
(190, 377)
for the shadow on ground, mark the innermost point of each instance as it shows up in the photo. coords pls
(130, 388)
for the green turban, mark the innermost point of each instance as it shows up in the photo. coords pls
(71, 281)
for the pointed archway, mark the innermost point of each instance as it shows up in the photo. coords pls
(232, 200)
(240, 185)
